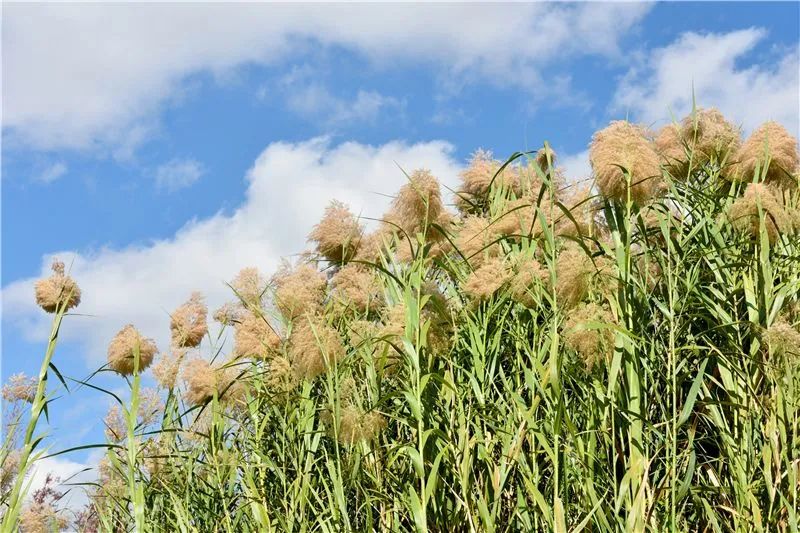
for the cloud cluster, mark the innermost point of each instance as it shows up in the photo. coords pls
(104, 71)
(178, 174)
(710, 64)
(289, 186)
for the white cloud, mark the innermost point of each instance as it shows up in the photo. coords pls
(69, 473)
(104, 71)
(51, 173)
(576, 166)
(289, 186)
(178, 174)
(708, 62)
(315, 102)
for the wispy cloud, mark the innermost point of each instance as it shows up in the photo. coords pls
(708, 64)
(178, 174)
(51, 173)
(67, 92)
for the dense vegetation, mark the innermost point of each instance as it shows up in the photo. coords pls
(619, 354)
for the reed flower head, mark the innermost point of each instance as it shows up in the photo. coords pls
(123, 349)
(41, 517)
(314, 346)
(528, 274)
(357, 426)
(372, 245)
(783, 339)
(201, 381)
(769, 143)
(9, 470)
(591, 343)
(357, 286)
(482, 172)
(228, 314)
(299, 291)
(20, 388)
(546, 158)
(575, 273)
(622, 151)
(280, 376)
(744, 212)
(168, 366)
(703, 136)
(58, 290)
(189, 322)
(254, 336)
(418, 204)
(476, 240)
(250, 287)
(338, 234)
(486, 280)
(150, 408)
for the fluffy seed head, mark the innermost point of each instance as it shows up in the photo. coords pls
(476, 240)
(546, 158)
(168, 366)
(150, 407)
(314, 346)
(581, 203)
(123, 347)
(772, 142)
(299, 291)
(357, 426)
(743, 213)
(418, 203)
(228, 314)
(705, 135)
(189, 322)
(483, 282)
(9, 470)
(575, 270)
(201, 381)
(593, 345)
(372, 245)
(357, 286)
(20, 388)
(254, 336)
(528, 274)
(57, 290)
(41, 517)
(625, 145)
(338, 233)
(482, 172)
(250, 286)
(783, 339)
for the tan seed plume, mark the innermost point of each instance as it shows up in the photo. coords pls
(59, 290)
(623, 145)
(189, 322)
(123, 348)
(338, 234)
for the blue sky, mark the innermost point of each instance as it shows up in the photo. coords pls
(161, 148)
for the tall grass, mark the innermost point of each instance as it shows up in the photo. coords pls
(646, 379)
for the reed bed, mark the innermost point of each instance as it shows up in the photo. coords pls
(532, 354)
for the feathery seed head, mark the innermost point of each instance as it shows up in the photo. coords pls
(314, 347)
(783, 339)
(58, 290)
(769, 142)
(255, 337)
(619, 146)
(250, 286)
(201, 381)
(528, 274)
(357, 286)
(299, 290)
(483, 282)
(476, 240)
(20, 388)
(168, 366)
(189, 322)
(357, 426)
(744, 212)
(704, 135)
(338, 234)
(418, 204)
(123, 348)
(593, 345)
